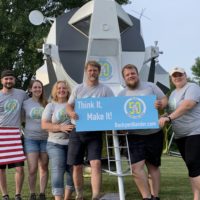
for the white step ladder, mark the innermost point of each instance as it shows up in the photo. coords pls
(123, 159)
(123, 164)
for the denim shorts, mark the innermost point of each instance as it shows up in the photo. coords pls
(31, 146)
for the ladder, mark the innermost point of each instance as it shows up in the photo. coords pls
(123, 159)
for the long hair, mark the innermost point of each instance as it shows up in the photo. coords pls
(42, 99)
(54, 90)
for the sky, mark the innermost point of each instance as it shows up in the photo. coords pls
(175, 24)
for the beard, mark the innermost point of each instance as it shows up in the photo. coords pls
(132, 85)
(8, 86)
(93, 78)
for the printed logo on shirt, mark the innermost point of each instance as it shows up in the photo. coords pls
(36, 113)
(61, 115)
(134, 108)
(11, 105)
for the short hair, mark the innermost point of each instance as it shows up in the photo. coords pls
(54, 90)
(94, 64)
(129, 66)
(42, 99)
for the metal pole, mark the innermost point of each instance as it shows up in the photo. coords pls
(118, 166)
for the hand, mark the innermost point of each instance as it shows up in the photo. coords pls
(163, 121)
(73, 115)
(66, 128)
(158, 104)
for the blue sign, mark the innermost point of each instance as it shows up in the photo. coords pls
(116, 113)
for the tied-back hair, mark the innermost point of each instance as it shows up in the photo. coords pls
(54, 90)
(42, 98)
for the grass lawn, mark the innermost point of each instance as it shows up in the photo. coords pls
(174, 183)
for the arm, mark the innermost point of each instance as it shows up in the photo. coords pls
(70, 111)
(48, 126)
(162, 103)
(184, 107)
(71, 104)
(23, 116)
(162, 99)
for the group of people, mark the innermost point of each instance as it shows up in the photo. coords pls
(50, 134)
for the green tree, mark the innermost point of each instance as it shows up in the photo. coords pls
(19, 39)
(196, 70)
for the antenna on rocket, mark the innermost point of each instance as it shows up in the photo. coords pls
(141, 14)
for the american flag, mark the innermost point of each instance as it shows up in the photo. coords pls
(11, 149)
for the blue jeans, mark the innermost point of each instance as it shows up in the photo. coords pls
(58, 160)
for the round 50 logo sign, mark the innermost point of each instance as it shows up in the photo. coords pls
(134, 108)
(106, 70)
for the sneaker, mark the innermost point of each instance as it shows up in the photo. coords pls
(18, 197)
(32, 196)
(155, 198)
(42, 196)
(5, 197)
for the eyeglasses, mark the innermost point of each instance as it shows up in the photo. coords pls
(177, 75)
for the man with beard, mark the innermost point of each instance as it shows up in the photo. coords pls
(90, 142)
(145, 145)
(11, 150)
